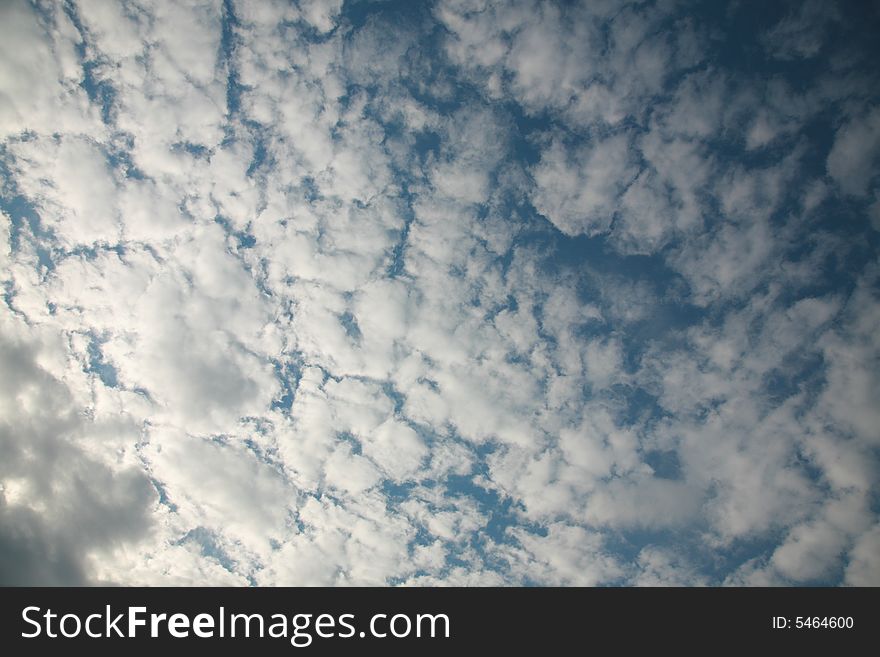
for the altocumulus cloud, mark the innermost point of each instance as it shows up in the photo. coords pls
(452, 292)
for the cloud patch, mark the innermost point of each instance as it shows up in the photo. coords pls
(460, 292)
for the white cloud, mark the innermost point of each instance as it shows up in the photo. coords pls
(863, 568)
(76, 187)
(281, 304)
(813, 550)
(64, 504)
(577, 189)
(852, 162)
(221, 486)
(567, 556)
(647, 503)
(802, 33)
(664, 567)
(39, 75)
(321, 14)
(397, 449)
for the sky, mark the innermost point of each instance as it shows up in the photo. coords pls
(453, 292)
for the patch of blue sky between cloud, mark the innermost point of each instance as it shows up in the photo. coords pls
(450, 292)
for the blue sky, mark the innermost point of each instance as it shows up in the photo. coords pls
(454, 292)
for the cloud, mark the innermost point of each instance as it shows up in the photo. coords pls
(566, 556)
(75, 187)
(66, 503)
(802, 33)
(577, 189)
(863, 569)
(40, 74)
(663, 567)
(530, 293)
(852, 162)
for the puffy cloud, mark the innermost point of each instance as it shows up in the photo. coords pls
(664, 567)
(74, 185)
(40, 74)
(802, 33)
(577, 189)
(532, 293)
(863, 568)
(66, 503)
(852, 162)
(567, 556)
